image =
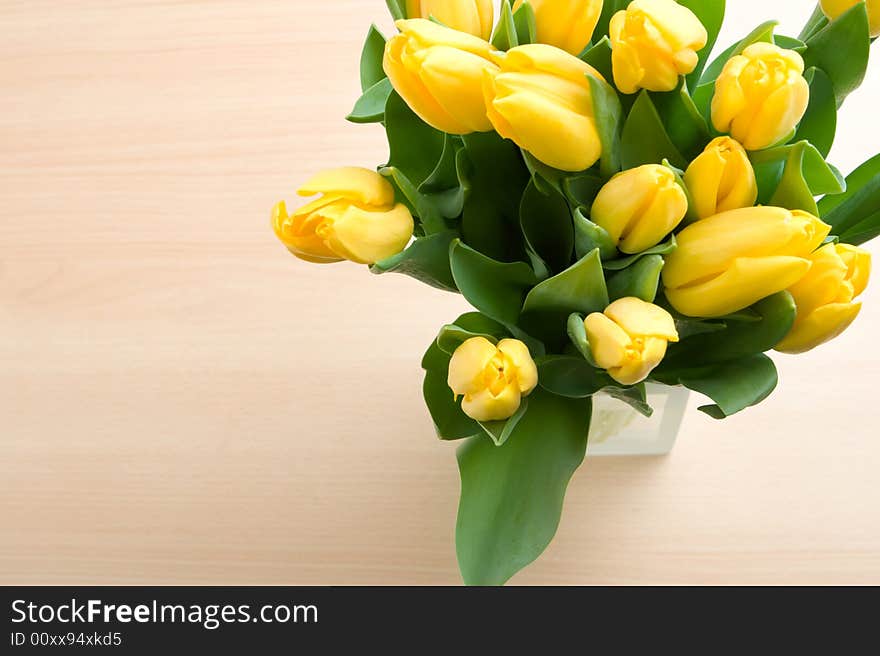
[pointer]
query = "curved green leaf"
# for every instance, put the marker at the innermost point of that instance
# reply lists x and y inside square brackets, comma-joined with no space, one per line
[372,55]
[397,8]
[858,203]
[426,259]
[580,288]
[526,27]
[841,50]
[791,176]
[645,140]
[589,237]
[547,227]
[734,386]
[641,280]
[737,341]
[819,124]
[599,57]
[428,218]
[570,376]
[495,288]
[512,495]
[450,422]
[764,32]
[608,114]
[505,36]
[500,431]
[415,146]
[577,333]
[665,248]
[609,8]
[685,125]
[370,107]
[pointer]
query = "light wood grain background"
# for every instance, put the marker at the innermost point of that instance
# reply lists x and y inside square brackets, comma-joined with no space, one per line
[182,402]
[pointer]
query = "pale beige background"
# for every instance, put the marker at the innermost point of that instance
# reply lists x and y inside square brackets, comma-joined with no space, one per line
[183,402]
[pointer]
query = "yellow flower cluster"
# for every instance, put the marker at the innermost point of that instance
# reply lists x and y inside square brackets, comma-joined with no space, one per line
[730,254]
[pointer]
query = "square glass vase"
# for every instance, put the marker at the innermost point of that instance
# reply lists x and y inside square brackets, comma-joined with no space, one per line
[618,430]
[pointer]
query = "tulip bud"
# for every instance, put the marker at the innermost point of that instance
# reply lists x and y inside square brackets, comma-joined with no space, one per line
[356,219]
[721,179]
[761,95]
[653,43]
[639,207]
[471,16]
[825,296]
[439,73]
[566,24]
[541,100]
[727,262]
[835,8]
[630,338]
[492,379]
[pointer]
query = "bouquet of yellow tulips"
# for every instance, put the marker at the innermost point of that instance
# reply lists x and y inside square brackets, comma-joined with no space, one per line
[615,205]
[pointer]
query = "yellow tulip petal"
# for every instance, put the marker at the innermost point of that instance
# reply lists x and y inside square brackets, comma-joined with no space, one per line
[306,245]
[608,341]
[460,76]
[747,281]
[639,366]
[486,406]
[821,326]
[367,237]
[638,317]
[835,8]
[822,284]
[858,263]
[526,370]
[662,216]
[566,24]
[468,363]
[357,184]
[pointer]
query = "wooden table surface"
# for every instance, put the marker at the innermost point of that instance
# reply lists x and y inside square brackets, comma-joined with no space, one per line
[182,402]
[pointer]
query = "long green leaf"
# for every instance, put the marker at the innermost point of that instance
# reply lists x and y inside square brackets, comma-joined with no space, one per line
[426,259]
[547,227]
[371,59]
[711,15]
[734,386]
[512,495]
[645,139]
[841,50]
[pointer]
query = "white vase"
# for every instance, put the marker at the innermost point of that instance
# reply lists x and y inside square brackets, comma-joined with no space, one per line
[618,430]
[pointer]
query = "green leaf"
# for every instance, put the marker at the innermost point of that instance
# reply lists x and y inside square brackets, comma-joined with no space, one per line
[490,222]
[500,431]
[589,237]
[526,27]
[452,335]
[581,190]
[547,227]
[580,288]
[505,36]
[512,495]
[397,8]
[841,50]
[790,43]
[372,55]
[495,288]
[734,386]
[763,32]
[863,231]
[599,57]
[450,421]
[415,146]
[426,259]
[860,201]
[546,178]
[665,248]
[645,140]
[819,124]
[641,280]
[449,183]
[711,15]
[740,339]
[635,397]
[608,115]
[791,176]
[420,205]
[571,376]
[577,333]
[686,127]
[370,107]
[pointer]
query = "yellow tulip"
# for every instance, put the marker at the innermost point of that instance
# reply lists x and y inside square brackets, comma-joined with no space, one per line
[761,95]
[653,43]
[639,207]
[439,72]
[566,24]
[356,219]
[721,179]
[825,297]
[835,8]
[541,100]
[471,16]
[727,262]
[630,338]
[492,379]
